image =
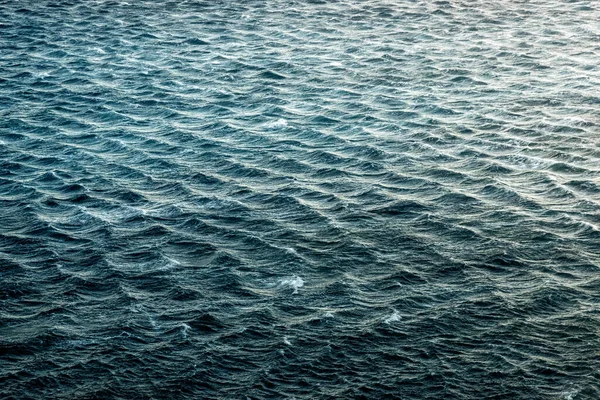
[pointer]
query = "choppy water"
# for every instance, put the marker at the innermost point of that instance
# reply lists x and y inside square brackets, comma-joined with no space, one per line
[309,199]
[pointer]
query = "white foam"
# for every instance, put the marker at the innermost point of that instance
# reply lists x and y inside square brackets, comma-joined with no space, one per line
[280,123]
[286,341]
[185,328]
[136,308]
[294,282]
[42,74]
[291,250]
[393,318]
[328,315]
[570,394]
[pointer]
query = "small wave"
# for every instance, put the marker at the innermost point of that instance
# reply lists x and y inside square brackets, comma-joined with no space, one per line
[196,42]
[271,75]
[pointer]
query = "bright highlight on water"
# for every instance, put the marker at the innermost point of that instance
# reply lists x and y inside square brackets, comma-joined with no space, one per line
[300,199]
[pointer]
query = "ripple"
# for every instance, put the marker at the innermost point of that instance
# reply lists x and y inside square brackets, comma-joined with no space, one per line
[307,200]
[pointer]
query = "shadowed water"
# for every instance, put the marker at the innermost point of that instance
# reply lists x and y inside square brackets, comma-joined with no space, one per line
[300,199]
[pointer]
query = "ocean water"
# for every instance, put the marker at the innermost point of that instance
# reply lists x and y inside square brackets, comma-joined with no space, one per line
[300,199]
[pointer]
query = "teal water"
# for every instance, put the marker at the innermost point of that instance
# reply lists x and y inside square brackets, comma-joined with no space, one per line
[300,199]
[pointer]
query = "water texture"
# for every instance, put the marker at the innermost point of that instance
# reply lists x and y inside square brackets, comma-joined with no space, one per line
[300,199]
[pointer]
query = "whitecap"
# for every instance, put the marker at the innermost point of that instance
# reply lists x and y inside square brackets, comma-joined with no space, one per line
[569,395]
[184,329]
[136,308]
[393,318]
[153,322]
[294,282]
[286,341]
[280,123]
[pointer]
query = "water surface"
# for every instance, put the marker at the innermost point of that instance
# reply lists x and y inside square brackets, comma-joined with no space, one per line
[300,199]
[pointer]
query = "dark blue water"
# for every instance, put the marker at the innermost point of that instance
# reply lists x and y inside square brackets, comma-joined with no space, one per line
[300,199]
